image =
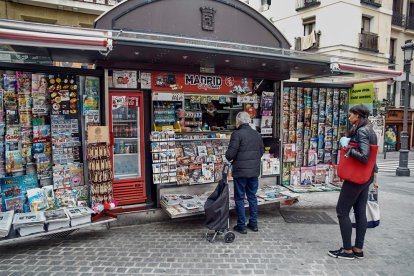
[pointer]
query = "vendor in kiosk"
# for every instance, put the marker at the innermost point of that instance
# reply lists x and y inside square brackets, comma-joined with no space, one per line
[211,118]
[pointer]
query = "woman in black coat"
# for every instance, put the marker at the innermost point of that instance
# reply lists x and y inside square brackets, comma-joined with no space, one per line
[355,195]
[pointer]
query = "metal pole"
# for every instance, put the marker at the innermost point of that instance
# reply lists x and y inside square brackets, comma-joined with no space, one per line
[403,169]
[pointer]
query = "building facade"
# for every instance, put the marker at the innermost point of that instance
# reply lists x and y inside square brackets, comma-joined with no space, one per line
[75,13]
[369,32]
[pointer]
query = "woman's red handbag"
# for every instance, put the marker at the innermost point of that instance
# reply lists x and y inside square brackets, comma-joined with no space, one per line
[355,171]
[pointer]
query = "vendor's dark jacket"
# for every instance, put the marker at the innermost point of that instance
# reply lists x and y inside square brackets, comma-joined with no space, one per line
[363,137]
[245,152]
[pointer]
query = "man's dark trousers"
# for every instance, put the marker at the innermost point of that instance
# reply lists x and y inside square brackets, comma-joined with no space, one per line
[246,186]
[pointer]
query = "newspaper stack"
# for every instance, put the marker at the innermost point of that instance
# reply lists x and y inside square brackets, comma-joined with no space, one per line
[79,215]
[56,219]
[29,223]
[6,219]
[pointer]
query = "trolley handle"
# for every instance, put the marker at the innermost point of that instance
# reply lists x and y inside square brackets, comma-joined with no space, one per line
[226,170]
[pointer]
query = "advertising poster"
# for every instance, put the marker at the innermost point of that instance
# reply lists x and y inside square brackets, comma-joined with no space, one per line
[362,93]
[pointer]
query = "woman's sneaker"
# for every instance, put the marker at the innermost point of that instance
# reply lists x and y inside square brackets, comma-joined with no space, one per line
[341,254]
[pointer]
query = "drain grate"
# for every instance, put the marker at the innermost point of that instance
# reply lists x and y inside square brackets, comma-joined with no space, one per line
[307,217]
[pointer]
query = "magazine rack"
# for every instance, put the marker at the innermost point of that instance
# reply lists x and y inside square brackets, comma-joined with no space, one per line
[59,233]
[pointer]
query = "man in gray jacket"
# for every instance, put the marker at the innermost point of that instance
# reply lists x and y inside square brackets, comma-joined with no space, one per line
[245,152]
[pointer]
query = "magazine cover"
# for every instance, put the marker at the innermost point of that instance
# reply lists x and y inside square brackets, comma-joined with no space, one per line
[195,174]
[49,194]
[65,198]
[92,86]
[25,103]
[307,176]
[266,125]
[202,150]
[289,153]
[14,191]
[322,174]
[24,82]
[286,173]
[295,176]
[41,133]
[312,157]
[207,173]
[267,101]
[183,176]
[76,175]
[40,94]
[14,161]
[37,199]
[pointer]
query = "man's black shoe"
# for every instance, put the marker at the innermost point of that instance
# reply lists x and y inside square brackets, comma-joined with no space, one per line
[254,228]
[240,229]
[341,254]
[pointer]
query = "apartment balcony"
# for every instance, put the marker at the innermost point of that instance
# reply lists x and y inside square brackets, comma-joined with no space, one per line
[409,22]
[374,3]
[306,4]
[309,42]
[398,20]
[368,42]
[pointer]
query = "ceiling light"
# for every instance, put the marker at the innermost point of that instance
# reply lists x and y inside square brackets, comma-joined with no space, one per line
[185,57]
[227,61]
[264,64]
[136,53]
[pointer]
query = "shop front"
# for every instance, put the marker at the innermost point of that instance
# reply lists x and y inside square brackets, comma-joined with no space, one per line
[191,77]
[393,127]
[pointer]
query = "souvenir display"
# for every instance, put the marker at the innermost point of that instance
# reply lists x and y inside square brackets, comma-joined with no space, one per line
[100,173]
[313,120]
[40,141]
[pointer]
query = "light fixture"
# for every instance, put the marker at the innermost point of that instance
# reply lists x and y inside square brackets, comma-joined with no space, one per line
[408,50]
[226,60]
[185,57]
[136,53]
[264,64]
[403,169]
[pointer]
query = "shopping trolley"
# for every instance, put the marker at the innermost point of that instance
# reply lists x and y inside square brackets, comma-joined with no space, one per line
[217,211]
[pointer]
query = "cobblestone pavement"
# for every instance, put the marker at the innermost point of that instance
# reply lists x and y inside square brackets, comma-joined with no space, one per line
[178,247]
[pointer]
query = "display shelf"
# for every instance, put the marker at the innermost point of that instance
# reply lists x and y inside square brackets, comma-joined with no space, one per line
[126,138]
[13,237]
[118,176]
[119,154]
[173,211]
[124,121]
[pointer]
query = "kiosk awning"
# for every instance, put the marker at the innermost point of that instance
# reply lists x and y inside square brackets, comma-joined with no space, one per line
[57,42]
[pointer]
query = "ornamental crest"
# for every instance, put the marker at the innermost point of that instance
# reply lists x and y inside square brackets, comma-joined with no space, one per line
[207,18]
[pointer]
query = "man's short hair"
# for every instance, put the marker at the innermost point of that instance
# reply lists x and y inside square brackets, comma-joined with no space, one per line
[243,118]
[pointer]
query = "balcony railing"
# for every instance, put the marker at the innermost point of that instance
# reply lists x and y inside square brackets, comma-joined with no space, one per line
[298,43]
[374,3]
[409,22]
[305,4]
[368,41]
[398,19]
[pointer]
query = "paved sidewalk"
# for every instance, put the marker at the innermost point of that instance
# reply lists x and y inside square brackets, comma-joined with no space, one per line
[178,247]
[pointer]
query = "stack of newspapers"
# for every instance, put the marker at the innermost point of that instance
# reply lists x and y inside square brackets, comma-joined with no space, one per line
[79,215]
[57,219]
[29,223]
[6,220]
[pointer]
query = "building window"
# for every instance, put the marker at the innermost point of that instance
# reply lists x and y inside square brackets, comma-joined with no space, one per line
[366,24]
[308,25]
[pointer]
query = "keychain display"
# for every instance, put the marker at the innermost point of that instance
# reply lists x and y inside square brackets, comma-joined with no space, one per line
[100,173]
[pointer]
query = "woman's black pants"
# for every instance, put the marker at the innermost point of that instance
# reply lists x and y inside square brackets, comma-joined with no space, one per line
[356,196]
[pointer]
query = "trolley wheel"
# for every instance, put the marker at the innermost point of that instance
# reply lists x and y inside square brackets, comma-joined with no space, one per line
[229,237]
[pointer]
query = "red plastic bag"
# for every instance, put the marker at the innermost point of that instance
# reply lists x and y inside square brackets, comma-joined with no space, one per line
[353,170]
